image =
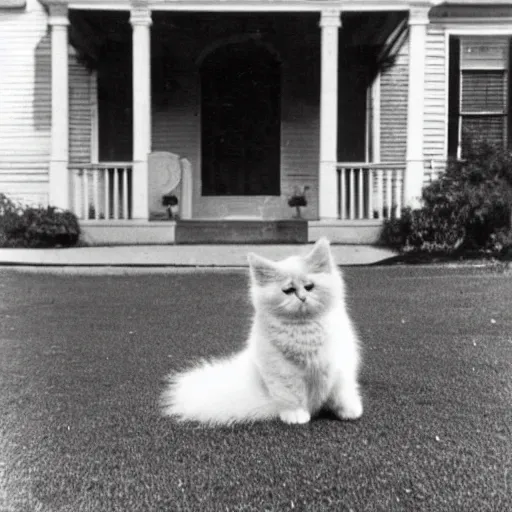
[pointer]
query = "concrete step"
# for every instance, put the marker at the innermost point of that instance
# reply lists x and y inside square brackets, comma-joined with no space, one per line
[241,231]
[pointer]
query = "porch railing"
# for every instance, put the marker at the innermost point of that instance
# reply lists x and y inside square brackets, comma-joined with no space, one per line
[370,190]
[102,191]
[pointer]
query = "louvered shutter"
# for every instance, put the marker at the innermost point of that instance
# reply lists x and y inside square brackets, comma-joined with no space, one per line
[484,89]
[453,96]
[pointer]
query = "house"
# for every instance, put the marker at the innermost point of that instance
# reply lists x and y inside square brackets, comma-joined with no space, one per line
[234,106]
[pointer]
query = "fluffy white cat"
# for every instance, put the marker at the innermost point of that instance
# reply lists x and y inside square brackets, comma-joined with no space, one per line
[302,354]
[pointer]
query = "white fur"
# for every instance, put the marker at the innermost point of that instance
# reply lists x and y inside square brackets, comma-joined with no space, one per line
[302,354]
[223,392]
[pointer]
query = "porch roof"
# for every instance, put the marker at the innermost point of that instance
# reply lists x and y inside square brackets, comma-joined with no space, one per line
[263,5]
[472,9]
[376,31]
[252,5]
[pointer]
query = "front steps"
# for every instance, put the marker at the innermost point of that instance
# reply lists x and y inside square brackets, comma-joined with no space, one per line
[241,231]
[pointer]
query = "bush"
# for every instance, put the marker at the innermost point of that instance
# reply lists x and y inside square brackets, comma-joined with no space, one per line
[36,226]
[9,212]
[468,209]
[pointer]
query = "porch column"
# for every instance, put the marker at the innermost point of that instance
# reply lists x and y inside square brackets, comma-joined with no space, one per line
[330,22]
[58,175]
[413,179]
[140,20]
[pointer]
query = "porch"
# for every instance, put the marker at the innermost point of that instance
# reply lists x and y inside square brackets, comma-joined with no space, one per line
[365,193]
[319,121]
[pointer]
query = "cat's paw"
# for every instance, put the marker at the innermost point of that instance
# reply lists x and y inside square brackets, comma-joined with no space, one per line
[295,416]
[350,410]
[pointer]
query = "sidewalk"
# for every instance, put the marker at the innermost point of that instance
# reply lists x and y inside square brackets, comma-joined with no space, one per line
[180,255]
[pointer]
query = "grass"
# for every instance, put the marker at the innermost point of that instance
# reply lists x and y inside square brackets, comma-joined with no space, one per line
[82,360]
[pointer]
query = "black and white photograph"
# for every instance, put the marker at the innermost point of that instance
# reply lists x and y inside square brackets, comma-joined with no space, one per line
[255,256]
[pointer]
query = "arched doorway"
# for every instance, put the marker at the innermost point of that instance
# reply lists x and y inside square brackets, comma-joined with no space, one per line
[240,121]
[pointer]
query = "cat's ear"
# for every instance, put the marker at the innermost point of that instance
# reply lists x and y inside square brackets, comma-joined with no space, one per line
[263,271]
[320,258]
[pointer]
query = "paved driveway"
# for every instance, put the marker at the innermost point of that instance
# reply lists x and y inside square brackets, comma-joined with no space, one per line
[81,365]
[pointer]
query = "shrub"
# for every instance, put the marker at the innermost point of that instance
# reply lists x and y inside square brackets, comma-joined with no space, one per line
[9,213]
[468,209]
[36,226]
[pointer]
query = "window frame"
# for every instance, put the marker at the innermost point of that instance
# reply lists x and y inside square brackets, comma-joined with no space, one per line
[460,30]
[503,112]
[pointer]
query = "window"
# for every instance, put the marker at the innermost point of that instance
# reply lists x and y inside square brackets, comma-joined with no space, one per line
[478,91]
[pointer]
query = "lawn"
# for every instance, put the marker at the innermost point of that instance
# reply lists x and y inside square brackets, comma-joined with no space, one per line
[83,357]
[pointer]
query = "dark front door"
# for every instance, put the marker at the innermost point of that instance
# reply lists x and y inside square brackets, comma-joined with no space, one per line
[115,101]
[240,119]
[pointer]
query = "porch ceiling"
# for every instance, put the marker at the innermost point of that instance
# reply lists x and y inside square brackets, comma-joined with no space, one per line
[91,32]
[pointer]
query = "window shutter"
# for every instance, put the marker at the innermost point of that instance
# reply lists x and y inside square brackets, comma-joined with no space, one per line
[483,91]
[509,96]
[483,105]
[493,127]
[453,96]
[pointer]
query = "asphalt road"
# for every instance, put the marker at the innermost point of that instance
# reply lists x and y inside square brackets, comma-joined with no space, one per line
[82,360]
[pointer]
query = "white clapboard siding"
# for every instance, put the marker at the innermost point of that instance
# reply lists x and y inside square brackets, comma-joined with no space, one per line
[25,103]
[435,120]
[299,153]
[176,129]
[300,125]
[79,112]
[175,118]
[393,110]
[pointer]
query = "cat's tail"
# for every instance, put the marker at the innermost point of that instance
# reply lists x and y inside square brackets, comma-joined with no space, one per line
[220,392]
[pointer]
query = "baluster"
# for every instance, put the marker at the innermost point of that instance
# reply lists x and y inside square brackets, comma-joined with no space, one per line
[96,192]
[360,201]
[370,193]
[125,193]
[352,195]
[85,191]
[389,184]
[380,194]
[116,193]
[77,198]
[398,193]
[343,201]
[107,193]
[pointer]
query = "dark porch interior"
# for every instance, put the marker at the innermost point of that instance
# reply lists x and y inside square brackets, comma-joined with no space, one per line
[180,41]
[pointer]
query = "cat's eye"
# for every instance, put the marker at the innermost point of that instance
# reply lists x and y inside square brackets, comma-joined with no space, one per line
[289,290]
[309,287]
